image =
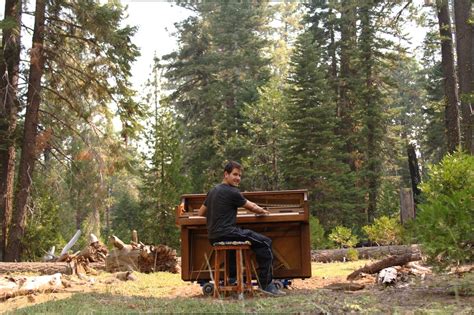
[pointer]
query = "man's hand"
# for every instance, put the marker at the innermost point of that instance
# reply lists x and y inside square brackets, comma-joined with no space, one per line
[255,208]
[202,211]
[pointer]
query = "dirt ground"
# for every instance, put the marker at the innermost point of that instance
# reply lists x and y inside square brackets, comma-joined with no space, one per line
[410,296]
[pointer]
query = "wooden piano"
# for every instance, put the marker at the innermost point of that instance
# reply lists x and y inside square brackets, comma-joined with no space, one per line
[287,226]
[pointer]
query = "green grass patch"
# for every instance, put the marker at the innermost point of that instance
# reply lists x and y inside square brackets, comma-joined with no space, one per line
[336,269]
[157,284]
[110,303]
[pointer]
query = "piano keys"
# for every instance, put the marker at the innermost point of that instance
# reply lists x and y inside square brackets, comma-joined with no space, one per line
[287,225]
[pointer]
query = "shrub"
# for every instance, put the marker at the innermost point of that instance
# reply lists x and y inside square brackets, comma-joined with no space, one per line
[445,221]
[384,231]
[343,237]
[455,172]
[318,240]
[352,254]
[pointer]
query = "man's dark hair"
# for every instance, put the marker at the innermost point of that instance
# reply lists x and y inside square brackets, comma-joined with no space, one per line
[230,165]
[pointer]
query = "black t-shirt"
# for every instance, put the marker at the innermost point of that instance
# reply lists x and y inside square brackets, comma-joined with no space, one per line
[222,203]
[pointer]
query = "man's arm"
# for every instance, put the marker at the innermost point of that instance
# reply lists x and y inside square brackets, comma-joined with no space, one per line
[249,205]
[202,211]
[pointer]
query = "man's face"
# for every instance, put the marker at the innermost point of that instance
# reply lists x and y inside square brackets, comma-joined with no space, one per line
[233,178]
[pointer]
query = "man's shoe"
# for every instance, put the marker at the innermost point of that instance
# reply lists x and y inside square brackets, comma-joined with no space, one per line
[271,289]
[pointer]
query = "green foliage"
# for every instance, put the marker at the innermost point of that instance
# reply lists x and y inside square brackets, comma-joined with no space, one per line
[318,239]
[265,128]
[454,173]
[384,231]
[446,228]
[352,254]
[445,221]
[126,217]
[42,230]
[343,237]
[388,198]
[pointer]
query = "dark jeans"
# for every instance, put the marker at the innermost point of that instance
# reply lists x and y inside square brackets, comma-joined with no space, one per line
[261,246]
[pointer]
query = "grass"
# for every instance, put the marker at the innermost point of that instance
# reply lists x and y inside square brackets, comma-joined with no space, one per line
[152,293]
[336,269]
[147,285]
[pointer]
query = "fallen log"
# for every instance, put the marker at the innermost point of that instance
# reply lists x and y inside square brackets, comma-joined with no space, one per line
[44,268]
[375,252]
[385,263]
[15,286]
[345,286]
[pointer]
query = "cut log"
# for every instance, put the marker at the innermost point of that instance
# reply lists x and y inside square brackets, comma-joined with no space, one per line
[385,263]
[95,252]
[345,286]
[375,252]
[134,236]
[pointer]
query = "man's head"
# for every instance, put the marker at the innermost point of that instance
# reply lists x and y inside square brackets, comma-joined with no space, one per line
[232,173]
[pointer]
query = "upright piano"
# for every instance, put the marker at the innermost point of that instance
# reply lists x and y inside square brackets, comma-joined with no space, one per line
[287,225]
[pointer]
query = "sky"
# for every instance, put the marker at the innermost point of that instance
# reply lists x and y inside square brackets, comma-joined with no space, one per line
[155,21]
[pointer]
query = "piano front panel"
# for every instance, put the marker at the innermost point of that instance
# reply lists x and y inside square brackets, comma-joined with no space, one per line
[291,253]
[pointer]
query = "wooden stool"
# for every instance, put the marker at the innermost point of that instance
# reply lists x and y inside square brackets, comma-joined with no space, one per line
[242,256]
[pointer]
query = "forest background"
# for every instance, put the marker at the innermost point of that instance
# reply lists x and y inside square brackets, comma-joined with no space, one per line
[327,96]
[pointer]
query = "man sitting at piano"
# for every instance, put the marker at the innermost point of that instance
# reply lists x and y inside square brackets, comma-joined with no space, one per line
[220,209]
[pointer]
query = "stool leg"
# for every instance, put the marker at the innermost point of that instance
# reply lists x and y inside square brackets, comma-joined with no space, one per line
[248,272]
[216,272]
[240,280]
[226,268]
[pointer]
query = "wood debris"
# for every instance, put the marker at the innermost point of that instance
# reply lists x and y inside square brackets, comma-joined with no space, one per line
[140,257]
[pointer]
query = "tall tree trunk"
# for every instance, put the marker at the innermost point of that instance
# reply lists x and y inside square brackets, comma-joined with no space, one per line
[465,52]
[9,72]
[28,149]
[332,52]
[345,104]
[447,62]
[371,112]
[415,177]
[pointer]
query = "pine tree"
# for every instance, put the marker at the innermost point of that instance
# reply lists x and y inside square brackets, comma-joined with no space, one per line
[451,112]
[163,177]
[81,49]
[265,124]
[433,141]
[464,16]
[9,107]
[311,144]
[217,69]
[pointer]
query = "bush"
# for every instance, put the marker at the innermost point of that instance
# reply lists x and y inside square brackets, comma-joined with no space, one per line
[455,172]
[42,231]
[352,254]
[445,221]
[343,237]
[318,240]
[384,231]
